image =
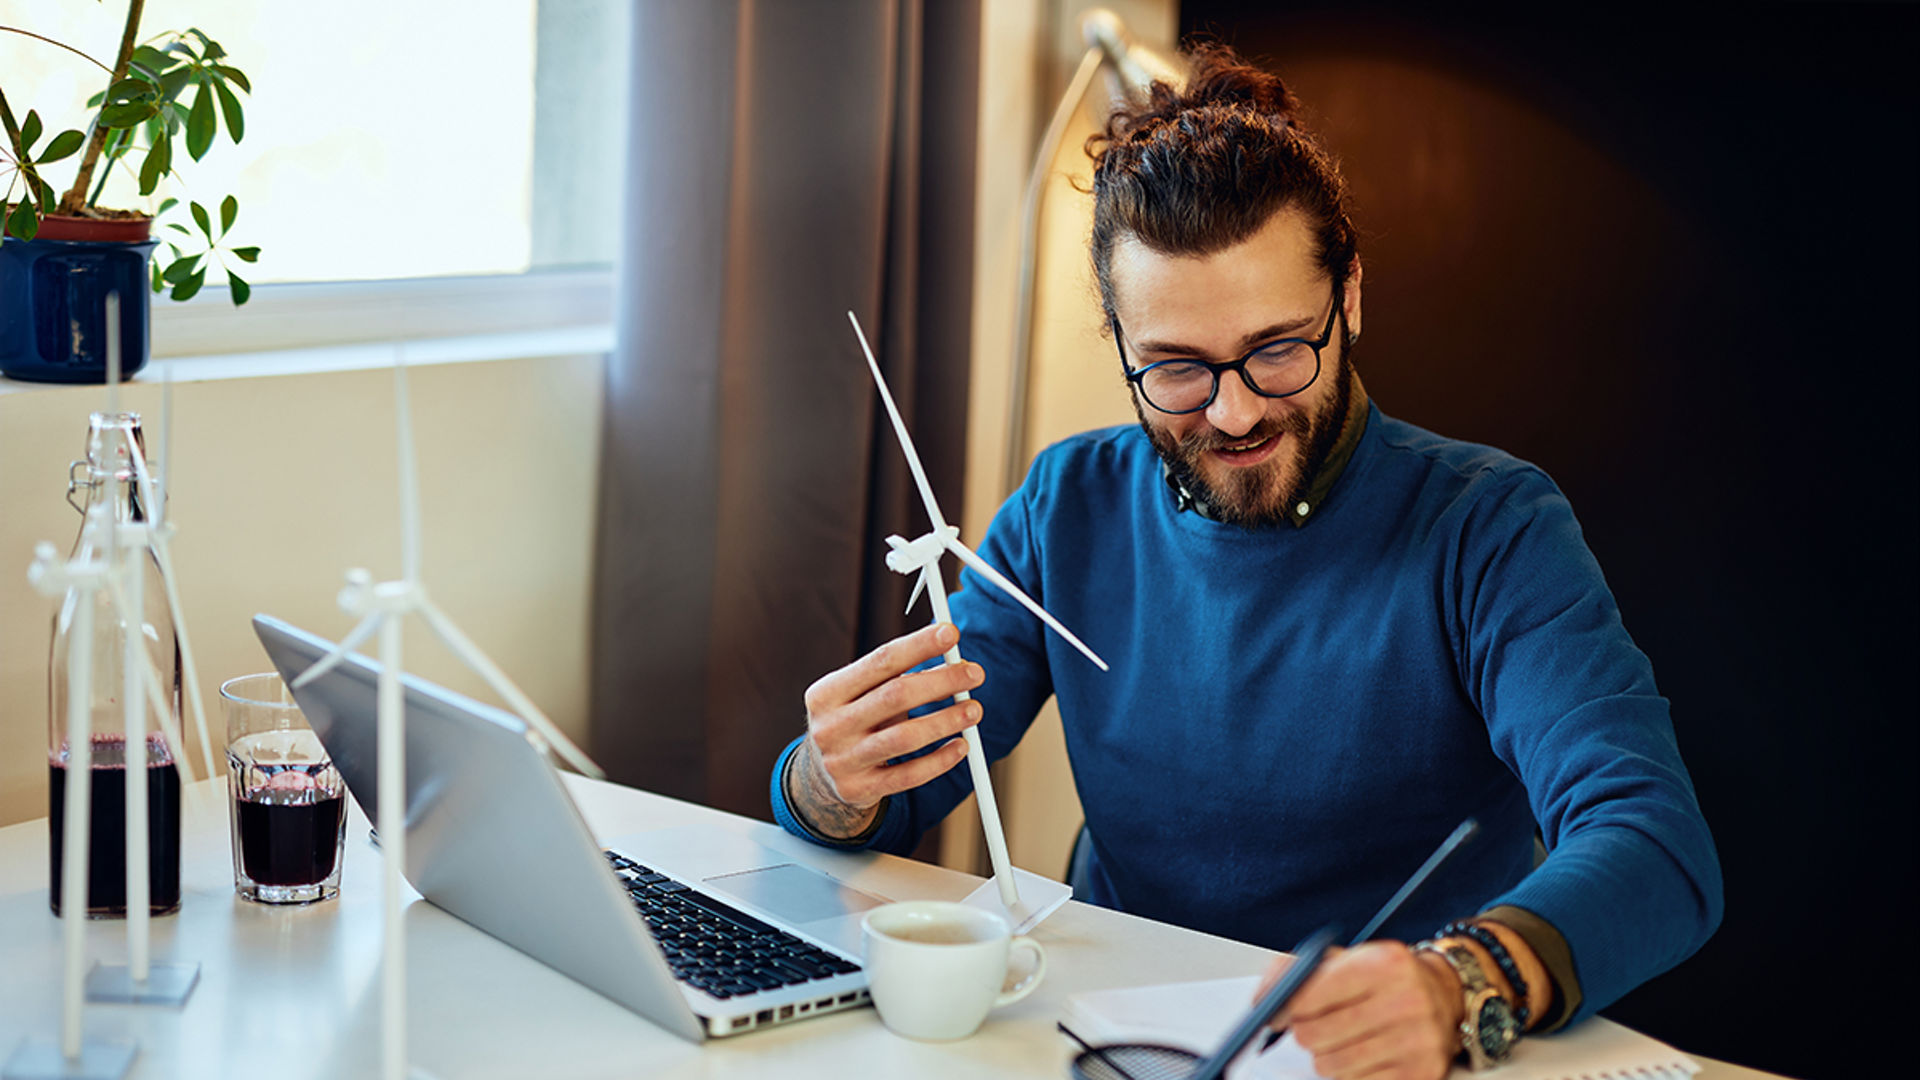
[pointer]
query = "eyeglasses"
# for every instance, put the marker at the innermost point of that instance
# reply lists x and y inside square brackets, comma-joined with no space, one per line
[1277,369]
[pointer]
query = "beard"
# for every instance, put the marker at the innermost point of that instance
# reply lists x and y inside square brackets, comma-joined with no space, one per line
[1262,495]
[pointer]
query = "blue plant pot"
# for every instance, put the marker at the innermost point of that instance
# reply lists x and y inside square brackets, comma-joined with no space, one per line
[53,308]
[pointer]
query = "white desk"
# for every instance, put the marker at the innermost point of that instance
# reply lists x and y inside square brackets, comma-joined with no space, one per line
[292,993]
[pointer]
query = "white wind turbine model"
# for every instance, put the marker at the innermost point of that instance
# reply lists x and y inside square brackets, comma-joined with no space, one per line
[141,981]
[121,575]
[382,607]
[922,557]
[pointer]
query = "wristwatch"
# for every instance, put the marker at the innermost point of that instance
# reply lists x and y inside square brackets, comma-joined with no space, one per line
[1487,1029]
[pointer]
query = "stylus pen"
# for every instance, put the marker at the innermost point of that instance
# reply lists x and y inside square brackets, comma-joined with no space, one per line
[1461,834]
[1306,958]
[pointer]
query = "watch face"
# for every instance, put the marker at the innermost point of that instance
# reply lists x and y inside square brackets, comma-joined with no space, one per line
[1497,1028]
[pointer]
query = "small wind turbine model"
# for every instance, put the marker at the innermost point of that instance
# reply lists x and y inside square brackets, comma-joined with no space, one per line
[381,607]
[74,1055]
[140,981]
[922,557]
[121,575]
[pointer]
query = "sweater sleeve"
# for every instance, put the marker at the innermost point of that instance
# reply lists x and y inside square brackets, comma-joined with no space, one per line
[1006,641]
[1631,879]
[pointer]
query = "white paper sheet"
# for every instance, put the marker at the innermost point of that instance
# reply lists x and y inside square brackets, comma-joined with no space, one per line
[1196,1016]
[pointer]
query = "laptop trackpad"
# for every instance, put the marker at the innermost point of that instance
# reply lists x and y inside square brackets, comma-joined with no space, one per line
[794,893]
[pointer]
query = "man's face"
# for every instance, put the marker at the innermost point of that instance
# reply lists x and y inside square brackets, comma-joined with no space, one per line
[1249,457]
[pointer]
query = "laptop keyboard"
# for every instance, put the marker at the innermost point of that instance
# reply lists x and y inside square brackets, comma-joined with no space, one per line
[716,947]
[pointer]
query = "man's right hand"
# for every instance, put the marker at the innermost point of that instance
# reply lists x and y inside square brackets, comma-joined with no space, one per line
[857,722]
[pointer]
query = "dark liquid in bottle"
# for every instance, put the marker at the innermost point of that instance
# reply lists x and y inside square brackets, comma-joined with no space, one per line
[107,847]
[289,844]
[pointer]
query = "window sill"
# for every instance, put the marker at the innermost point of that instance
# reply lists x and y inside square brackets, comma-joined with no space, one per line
[590,340]
[353,325]
[302,316]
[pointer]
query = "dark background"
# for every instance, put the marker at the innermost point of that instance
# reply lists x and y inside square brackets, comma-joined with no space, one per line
[1668,255]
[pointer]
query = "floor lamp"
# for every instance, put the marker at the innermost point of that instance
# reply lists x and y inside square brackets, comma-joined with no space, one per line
[1131,68]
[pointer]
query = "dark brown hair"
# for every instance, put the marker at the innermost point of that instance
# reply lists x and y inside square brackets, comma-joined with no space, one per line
[1197,170]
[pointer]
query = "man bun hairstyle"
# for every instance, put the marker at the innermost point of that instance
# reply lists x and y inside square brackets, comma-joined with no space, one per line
[1196,170]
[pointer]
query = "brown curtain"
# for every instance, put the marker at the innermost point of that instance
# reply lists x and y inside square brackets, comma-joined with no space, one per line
[788,160]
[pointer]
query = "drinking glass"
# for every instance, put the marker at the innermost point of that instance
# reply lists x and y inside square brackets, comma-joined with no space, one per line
[289,803]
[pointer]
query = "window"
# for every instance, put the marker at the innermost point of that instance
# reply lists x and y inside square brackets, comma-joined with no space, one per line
[427,139]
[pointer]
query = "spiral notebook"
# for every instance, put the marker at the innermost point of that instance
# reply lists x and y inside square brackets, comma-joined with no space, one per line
[1196,1016]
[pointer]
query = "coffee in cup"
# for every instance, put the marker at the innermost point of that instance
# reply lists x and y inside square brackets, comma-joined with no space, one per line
[936,968]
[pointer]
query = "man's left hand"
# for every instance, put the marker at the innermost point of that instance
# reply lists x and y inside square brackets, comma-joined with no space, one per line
[1377,1011]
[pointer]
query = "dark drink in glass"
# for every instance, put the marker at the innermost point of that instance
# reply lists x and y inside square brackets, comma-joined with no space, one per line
[289,818]
[287,842]
[107,828]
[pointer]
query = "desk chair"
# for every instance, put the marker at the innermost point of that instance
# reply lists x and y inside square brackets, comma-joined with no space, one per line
[1080,864]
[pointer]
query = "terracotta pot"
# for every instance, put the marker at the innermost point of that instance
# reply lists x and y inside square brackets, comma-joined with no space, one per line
[83,230]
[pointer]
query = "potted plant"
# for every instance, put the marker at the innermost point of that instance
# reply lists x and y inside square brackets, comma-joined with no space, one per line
[61,255]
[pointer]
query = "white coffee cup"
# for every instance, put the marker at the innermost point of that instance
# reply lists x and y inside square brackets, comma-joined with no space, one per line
[936,968]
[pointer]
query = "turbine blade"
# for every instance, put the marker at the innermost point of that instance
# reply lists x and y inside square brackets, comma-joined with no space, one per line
[170,731]
[409,471]
[153,494]
[164,482]
[471,654]
[900,428]
[155,694]
[967,556]
[328,662]
[112,304]
[919,585]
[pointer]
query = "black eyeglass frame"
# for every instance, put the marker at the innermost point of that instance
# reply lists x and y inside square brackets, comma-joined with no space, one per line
[1217,368]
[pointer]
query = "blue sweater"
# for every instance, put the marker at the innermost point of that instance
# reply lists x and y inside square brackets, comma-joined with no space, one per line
[1297,716]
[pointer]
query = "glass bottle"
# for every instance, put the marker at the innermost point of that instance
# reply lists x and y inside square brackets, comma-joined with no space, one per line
[106,478]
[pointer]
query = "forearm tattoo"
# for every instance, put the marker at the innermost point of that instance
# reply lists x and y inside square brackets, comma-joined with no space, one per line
[811,794]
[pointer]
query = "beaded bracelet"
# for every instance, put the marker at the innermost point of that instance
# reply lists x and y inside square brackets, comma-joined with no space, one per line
[1489,941]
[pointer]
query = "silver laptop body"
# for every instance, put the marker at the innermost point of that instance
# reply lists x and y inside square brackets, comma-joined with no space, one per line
[494,839]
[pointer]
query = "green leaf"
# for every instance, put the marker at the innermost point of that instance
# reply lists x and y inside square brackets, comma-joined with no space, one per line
[230,108]
[166,204]
[248,254]
[131,90]
[229,209]
[29,130]
[175,81]
[179,228]
[200,216]
[23,222]
[126,116]
[63,145]
[153,271]
[158,162]
[200,123]
[178,272]
[186,289]
[152,59]
[233,75]
[46,195]
[241,292]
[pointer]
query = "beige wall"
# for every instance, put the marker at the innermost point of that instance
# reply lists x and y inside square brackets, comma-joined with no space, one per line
[1074,385]
[285,482]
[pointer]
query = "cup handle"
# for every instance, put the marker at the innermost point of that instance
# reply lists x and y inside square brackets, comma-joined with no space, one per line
[1028,945]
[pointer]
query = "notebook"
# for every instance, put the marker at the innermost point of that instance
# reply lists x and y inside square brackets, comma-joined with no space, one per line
[1196,1016]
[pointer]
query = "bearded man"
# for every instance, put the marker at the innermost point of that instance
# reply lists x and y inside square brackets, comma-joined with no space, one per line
[1333,636]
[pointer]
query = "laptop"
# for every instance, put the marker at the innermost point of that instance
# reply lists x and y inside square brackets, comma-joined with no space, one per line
[704,933]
